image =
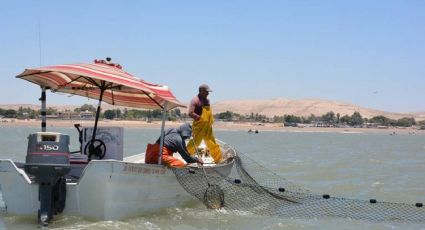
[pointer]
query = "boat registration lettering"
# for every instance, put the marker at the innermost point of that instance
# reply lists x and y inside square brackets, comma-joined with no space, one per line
[142,170]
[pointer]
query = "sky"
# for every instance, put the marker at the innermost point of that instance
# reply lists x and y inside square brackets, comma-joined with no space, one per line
[367,53]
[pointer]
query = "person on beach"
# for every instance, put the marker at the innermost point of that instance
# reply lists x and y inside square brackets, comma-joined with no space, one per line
[174,141]
[200,111]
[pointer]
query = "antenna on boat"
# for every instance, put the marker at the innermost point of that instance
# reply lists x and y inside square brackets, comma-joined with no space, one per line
[39,42]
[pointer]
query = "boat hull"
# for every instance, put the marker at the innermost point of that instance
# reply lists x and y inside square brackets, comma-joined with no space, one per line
[107,190]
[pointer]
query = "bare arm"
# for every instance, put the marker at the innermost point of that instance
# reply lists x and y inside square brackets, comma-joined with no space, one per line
[191,111]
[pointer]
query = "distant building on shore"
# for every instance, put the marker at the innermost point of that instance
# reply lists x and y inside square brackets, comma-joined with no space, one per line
[69,115]
[86,115]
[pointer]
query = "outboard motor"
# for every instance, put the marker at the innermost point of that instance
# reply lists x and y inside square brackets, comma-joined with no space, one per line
[47,161]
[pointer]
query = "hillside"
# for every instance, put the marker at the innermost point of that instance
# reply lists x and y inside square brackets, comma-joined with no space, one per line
[304,107]
[271,107]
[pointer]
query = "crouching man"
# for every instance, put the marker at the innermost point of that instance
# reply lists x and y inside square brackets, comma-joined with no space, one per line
[174,141]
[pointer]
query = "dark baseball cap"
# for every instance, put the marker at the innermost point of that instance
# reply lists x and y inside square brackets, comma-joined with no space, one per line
[205,87]
[185,130]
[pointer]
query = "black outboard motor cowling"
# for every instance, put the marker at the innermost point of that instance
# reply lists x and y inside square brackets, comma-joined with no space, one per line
[47,161]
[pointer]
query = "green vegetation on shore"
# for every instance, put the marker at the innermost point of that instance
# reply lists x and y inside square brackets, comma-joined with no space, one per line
[330,119]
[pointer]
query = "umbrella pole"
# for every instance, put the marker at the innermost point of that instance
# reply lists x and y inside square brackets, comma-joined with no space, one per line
[161,141]
[43,109]
[97,114]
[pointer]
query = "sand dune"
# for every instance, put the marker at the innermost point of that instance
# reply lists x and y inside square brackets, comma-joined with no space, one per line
[305,107]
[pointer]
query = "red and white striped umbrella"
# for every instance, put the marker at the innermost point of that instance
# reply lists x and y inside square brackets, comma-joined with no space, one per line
[89,80]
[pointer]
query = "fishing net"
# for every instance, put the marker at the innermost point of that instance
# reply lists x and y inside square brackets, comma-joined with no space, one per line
[248,187]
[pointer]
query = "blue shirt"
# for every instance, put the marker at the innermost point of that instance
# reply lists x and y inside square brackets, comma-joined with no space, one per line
[176,143]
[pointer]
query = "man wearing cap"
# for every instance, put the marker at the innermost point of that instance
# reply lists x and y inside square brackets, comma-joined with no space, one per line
[200,111]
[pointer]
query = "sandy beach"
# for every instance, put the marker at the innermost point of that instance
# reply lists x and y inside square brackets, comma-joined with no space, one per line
[219,125]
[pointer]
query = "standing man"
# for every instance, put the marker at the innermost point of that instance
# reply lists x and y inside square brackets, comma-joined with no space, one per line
[200,111]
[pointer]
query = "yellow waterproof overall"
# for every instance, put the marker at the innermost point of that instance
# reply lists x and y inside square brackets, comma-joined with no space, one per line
[202,130]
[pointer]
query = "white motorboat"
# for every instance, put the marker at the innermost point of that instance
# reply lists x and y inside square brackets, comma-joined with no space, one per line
[107,189]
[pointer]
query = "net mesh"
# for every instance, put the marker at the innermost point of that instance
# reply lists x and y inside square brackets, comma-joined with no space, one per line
[246,186]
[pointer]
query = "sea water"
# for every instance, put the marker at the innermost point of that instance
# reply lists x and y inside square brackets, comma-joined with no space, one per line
[354,165]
